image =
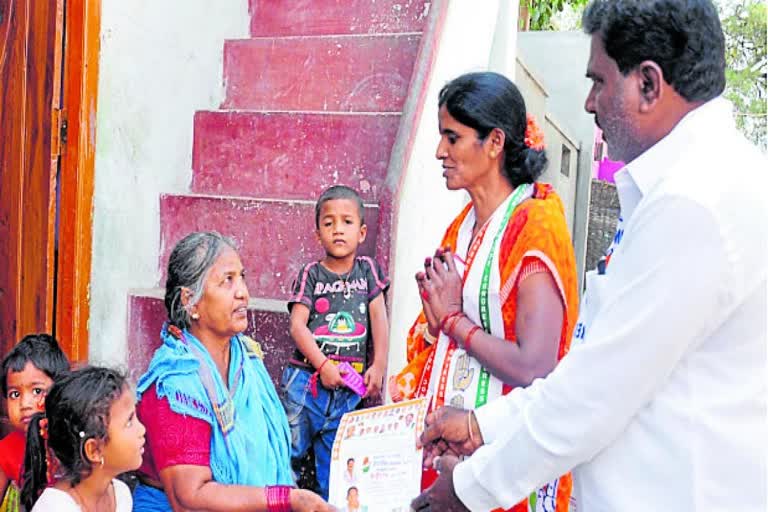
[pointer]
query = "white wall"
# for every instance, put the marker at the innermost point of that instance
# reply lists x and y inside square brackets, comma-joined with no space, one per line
[555,137]
[426,207]
[559,59]
[160,61]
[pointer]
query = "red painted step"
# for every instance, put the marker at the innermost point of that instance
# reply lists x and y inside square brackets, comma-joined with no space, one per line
[290,155]
[312,17]
[267,324]
[340,73]
[276,237]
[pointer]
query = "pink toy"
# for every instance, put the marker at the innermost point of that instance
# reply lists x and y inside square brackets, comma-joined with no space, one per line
[351,378]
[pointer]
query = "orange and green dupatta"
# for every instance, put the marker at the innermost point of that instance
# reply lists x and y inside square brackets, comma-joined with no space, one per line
[537,230]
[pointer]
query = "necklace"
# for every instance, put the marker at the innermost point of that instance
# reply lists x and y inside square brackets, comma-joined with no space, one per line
[344,278]
[345,281]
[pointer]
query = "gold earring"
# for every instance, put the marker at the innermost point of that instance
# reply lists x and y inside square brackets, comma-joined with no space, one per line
[195,316]
[493,154]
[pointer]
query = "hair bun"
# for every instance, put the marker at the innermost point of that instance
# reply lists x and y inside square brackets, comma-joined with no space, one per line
[534,161]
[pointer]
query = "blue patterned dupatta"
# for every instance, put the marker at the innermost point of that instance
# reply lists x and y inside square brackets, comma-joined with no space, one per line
[250,442]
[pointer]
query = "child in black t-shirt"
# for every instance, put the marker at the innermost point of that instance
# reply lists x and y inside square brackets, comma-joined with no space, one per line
[336,306]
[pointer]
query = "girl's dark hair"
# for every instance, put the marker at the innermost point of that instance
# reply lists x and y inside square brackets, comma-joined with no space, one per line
[488,100]
[77,409]
[188,266]
[42,350]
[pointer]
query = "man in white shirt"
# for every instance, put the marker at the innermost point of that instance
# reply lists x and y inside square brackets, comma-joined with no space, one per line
[661,403]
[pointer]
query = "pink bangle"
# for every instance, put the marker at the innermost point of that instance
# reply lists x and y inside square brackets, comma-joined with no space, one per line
[278,498]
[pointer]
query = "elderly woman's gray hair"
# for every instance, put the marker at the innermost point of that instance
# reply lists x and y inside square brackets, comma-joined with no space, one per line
[188,266]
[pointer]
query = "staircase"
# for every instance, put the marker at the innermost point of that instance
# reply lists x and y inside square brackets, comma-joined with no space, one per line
[313,98]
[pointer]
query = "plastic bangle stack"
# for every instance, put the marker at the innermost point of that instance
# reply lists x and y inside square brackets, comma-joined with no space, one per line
[278,498]
[448,317]
[450,326]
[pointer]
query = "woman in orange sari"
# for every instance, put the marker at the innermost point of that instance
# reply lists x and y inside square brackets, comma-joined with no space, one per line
[499,297]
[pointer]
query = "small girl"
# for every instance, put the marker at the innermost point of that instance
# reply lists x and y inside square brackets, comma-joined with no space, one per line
[87,436]
[26,374]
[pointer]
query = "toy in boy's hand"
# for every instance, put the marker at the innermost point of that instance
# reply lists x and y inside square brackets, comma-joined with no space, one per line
[351,378]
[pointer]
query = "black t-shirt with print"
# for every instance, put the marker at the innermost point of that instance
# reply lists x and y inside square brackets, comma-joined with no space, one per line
[338,308]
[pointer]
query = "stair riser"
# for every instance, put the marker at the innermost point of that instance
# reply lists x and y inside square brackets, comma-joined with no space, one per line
[276,237]
[347,74]
[310,17]
[290,156]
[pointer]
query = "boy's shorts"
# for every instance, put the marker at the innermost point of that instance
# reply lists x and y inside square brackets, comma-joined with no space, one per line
[314,421]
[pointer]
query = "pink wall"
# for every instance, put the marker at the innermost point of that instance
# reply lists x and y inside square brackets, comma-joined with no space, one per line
[603,168]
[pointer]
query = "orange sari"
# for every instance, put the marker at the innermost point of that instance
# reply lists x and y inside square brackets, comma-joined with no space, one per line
[536,230]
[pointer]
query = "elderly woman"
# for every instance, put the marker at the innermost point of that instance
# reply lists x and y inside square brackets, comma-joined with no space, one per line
[500,296]
[217,435]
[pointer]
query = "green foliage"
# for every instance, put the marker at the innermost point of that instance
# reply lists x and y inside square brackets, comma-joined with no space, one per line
[542,11]
[744,24]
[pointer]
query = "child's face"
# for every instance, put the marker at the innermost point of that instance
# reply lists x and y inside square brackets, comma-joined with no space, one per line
[125,446]
[26,394]
[340,230]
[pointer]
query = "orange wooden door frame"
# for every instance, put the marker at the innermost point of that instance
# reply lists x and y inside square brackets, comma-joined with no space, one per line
[30,86]
[76,177]
[48,90]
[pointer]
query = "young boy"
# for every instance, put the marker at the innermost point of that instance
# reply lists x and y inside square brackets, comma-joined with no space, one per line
[28,372]
[336,306]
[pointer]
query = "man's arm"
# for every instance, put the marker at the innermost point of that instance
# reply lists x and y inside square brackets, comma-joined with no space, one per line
[665,296]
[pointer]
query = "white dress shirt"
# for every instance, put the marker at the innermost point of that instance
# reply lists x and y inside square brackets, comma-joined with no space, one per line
[661,403]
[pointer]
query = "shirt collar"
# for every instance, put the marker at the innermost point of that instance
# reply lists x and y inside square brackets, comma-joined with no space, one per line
[706,121]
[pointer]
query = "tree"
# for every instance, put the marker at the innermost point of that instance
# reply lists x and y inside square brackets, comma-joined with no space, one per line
[537,14]
[744,24]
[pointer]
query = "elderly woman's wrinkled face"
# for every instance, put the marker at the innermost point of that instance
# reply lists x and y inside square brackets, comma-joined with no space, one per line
[223,308]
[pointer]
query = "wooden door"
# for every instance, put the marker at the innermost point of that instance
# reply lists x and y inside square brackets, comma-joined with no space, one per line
[31,44]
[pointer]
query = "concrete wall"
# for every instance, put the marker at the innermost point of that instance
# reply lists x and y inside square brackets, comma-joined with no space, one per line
[556,136]
[158,64]
[559,60]
[425,206]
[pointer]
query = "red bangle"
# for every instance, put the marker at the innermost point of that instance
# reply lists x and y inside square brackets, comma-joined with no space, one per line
[319,368]
[278,498]
[448,317]
[468,339]
[453,321]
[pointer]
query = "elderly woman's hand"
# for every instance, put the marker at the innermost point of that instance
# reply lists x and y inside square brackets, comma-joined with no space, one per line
[307,501]
[441,284]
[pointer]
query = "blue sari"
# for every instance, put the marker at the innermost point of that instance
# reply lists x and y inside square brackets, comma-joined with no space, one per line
[250,439]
